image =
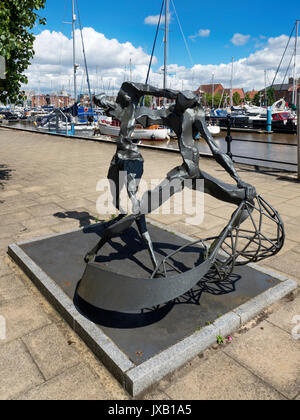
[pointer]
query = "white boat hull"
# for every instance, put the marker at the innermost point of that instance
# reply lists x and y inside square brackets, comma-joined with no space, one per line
[64,126]
[139,134]
[214,130]
[148,134]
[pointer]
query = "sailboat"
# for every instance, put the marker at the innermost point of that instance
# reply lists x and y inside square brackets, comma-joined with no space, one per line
[111,128]
[74,118]
[155,133]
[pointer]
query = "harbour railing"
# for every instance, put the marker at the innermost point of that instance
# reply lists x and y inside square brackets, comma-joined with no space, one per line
[229,140]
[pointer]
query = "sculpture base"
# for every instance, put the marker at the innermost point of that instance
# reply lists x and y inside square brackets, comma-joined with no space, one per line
[56,266]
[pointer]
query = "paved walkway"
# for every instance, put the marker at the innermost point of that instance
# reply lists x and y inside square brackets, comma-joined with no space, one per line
[43,359]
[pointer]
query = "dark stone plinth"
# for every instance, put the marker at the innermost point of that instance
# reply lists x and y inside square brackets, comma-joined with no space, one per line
[142,335]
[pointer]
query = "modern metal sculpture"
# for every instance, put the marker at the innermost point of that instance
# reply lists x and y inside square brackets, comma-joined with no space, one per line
[242,241]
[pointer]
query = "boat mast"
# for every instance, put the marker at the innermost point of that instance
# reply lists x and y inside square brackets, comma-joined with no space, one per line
[84,58]
[231,84]
[166,42]
[130,65]
[295,82]
[266,88]
[74,50]
[213,89]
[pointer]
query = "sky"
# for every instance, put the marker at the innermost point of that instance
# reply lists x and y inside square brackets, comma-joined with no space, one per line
[201,45]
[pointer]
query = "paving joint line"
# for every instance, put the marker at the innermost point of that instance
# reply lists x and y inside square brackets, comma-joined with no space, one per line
[32,359]
[248,368]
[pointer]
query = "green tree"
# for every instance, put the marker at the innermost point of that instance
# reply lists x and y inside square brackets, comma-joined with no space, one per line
[257,99]
[148,101]
[236,98]
[207,99]
[271,96]
[248,98]
[17,19]
[217,100]
[204,99]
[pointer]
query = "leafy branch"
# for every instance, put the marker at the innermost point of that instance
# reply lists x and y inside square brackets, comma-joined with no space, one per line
[17,20]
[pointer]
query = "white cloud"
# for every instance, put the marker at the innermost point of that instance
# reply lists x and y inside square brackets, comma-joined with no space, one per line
[202,33]
[240,39]
[248,71]
[153,20]
[56,48]
[107,59]
[53,61]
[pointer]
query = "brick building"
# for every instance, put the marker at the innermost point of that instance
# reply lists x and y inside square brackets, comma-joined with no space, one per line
[285,90]
[251,94]
[240,91]
[58,100]
[217,88]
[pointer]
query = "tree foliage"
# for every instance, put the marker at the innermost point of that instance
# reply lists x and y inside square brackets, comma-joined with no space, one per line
[248,98]
[148,101]
[236,98]
[271,96]
[17,20]
[257,99]
[208,99]
[217,100]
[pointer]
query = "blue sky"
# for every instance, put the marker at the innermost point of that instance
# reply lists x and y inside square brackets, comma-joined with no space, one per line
[124,20]
[254,33]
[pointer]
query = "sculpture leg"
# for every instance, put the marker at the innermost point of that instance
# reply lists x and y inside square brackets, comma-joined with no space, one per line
[94,251]
[142,227]
[116,186]
[225,192]
[134,171]
[117,226]
[228,193]
[116,181]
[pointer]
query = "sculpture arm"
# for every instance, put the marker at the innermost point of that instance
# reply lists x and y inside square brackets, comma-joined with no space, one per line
[127,119]
[102,101]
[223,159]
[137,90]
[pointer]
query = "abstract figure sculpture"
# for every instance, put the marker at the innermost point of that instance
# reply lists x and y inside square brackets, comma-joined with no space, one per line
[240,242]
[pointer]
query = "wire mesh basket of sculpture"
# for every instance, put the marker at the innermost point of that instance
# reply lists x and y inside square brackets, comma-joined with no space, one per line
[258,237]
[254,232]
